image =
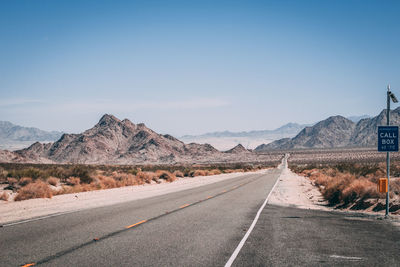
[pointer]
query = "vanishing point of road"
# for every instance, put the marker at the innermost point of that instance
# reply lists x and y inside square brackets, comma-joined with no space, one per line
[203,226]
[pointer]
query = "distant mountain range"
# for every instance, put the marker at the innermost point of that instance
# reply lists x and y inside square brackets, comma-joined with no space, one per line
[251,139]
[290,128]
[16,137]
[112,141]
[336,131]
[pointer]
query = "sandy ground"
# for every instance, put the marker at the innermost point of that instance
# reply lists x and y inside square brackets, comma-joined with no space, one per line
[296,191]
[27,209]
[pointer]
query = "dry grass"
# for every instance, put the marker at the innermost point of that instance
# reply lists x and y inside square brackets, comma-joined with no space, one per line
[178,174]
[165,175]
[359,189]
[37,189]
[343,188]
[214,172]
[146,177]
[53,181]
[12,181]
[107,182]
[73,181]
[395,187]
[4,196]
[24,181]
[125,179]
[235,170]
[68,189]
[198,173]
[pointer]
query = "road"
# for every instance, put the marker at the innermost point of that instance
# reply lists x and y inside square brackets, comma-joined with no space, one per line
[202,227]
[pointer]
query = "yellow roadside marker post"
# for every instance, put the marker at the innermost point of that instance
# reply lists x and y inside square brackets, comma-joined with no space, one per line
[383,185]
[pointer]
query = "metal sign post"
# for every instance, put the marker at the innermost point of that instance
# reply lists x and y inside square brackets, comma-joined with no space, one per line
[388,140]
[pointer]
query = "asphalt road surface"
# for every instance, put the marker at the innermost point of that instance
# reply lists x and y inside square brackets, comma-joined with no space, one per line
[202,227]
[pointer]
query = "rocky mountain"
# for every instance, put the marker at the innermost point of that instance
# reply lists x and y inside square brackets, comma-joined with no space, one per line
[251,139]
[14,136]
[358,118]
[112,141]
[336,131]
[239,149]
[276,145]
[365,133]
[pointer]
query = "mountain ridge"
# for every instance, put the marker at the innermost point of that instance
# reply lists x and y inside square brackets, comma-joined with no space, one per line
[335,132]
[16,136]
[113,140]
[282,129]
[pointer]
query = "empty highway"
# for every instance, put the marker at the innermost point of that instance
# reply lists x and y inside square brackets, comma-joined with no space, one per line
[202,227]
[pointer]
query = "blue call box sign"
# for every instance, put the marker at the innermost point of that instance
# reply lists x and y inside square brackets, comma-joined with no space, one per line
[388,138]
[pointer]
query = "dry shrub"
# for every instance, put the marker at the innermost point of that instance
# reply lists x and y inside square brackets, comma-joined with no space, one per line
[12,181]
[233,170]
[334,186]
[107,182]
[24,181]
[125,179]
[178,174]
[321,179]
[165,175]
[359,188]
[3,175]
[214,172]
[37,189]
[67,189]
[395,186]
[330,172]
[342,188]
[146,177]
[4,196]
[197,173]
[73,181]
[83,172]
[53,181]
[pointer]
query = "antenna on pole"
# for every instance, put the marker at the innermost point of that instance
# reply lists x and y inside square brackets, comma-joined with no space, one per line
[390,96]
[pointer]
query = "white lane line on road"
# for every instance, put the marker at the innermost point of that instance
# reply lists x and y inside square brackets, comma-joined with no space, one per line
[346,257]
[239,247]
[38,218]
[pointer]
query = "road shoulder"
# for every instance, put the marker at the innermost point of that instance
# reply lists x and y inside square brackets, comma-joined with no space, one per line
[286,236]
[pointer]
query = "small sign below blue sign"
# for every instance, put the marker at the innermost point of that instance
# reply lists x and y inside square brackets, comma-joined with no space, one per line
[388,138]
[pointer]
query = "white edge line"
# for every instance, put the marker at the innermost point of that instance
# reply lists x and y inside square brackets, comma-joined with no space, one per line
[38,218]
[239,247]
[345,257]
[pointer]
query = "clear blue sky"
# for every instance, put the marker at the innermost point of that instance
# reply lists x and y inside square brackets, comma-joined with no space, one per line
[187,67]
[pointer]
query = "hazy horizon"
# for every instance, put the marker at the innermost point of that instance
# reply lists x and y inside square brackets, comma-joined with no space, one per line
[199,134]
[188,68]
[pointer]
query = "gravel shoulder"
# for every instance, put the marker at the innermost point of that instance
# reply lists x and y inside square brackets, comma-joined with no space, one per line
[297,191]
[294,190]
